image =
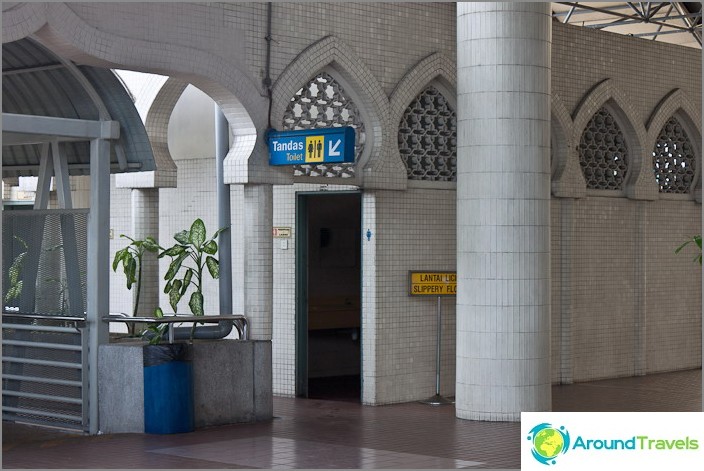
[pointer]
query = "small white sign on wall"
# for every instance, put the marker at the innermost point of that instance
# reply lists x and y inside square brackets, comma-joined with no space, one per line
[281,232]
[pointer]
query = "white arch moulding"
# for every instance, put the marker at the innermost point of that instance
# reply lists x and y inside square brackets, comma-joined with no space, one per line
[639,183]
[567,178]
[678,104]
[436,70]
[333,56]
[157,126]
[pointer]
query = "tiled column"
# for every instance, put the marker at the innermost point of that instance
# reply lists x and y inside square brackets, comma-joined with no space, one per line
[370,358]
[258,260]
[145,223]
[503,210]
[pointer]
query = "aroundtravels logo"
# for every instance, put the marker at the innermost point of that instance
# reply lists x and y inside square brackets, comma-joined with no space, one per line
[611,440]
[548,442]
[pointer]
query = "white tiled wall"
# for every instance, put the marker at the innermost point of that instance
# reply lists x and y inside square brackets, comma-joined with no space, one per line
[615,314]
[646,71]
[178,208]
[593,248]
[672,290]
[415,231]
[622,302]
[120,223]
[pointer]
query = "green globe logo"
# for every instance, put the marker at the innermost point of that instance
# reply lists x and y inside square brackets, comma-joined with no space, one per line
[548,442]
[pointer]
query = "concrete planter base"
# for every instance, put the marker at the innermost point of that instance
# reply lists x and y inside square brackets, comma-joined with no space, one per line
[232,384]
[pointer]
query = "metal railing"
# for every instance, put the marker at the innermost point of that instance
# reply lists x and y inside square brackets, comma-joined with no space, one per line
[45,364]
[239,321]
[44,370]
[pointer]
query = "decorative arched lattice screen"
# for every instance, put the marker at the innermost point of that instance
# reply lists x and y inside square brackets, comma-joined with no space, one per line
[674,162]
[603,153]
[427,138]
[323,103]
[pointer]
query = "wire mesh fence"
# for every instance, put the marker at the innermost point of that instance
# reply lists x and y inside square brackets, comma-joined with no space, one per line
[44,343]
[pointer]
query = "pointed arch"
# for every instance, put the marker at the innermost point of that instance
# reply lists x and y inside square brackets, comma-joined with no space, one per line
[333,56]
[435,67]
[638,183]
[434,70]
[157,126]
[228,84]
[567,178]
[677,104]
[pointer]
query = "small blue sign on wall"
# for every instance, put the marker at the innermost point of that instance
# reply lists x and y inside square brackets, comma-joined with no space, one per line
[312,146]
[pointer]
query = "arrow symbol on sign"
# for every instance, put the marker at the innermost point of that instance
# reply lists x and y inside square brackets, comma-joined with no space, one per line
[332,149]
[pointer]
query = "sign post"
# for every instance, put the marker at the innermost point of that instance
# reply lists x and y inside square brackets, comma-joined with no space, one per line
[312,146]
[437,284]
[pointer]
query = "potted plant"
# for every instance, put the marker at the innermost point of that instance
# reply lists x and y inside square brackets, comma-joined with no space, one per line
[192,253]
[168,374]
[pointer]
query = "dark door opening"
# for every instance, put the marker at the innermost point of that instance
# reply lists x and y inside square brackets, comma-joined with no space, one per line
[328,279]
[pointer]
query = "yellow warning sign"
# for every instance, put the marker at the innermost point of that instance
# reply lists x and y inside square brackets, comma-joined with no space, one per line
[434,283]
[315,149]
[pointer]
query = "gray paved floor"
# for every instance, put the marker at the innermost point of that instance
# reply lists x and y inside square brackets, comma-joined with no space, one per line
[326,434]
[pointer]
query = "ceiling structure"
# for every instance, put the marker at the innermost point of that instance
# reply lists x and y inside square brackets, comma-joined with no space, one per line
[671,22]
[41,89]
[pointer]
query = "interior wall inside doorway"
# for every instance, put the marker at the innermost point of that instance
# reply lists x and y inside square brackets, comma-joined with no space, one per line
[334,285]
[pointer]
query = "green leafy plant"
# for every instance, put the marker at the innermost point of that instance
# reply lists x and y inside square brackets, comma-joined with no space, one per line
[61,281]
[697,240]
[155,332]
[15,289]
[131,259]
[193,253]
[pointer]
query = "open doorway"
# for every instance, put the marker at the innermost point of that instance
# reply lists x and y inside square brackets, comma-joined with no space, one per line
[328,284]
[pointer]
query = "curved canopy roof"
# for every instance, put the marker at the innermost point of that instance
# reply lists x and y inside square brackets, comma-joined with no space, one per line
[37,82]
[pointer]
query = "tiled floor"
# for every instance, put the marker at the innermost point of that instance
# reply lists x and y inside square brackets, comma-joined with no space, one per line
[285,453]
[327,434]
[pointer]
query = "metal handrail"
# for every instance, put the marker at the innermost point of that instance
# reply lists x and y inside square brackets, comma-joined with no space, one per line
[22,315]
[238,320]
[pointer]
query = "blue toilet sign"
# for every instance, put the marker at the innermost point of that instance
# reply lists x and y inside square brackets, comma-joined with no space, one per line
[312,146]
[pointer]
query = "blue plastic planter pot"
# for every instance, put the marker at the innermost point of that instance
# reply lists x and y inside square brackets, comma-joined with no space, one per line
[168,389]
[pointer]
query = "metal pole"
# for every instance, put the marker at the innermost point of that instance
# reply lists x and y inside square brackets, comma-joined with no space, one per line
[98,302]
[222,144]
[437,353]
[437,399]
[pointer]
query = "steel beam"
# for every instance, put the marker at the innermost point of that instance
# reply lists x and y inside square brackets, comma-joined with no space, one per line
[621,15]
[64,127]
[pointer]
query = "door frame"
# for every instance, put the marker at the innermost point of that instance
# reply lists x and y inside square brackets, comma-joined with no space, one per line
[301,274]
